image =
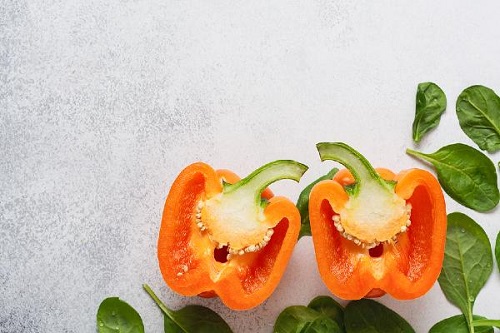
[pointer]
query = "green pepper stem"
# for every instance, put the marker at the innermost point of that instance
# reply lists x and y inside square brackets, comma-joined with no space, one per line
[358,165]
[257,181]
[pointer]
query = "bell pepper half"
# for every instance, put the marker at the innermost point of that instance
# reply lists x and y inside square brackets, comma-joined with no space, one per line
[222,236]
[375,232]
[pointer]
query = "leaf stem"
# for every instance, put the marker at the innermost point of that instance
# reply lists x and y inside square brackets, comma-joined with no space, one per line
[470,318]
[158,302]
[486,322]
[415,153]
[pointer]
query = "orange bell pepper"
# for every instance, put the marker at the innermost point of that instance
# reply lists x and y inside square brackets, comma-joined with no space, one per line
[375,232]
[228,237]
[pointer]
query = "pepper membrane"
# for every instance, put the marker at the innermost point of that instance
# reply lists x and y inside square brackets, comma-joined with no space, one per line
[375,232]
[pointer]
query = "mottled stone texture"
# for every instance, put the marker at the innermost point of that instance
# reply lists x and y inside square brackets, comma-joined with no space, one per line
[102,103]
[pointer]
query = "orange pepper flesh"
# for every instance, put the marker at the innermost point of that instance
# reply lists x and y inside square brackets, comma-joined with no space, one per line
[405,269]
[192,265]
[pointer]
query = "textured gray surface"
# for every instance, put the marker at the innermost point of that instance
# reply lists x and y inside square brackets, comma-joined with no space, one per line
[103,103]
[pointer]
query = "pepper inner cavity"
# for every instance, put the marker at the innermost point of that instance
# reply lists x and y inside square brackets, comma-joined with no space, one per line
[234,228]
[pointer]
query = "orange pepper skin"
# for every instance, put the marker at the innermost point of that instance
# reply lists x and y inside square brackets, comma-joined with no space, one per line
[189,261]
[405,269]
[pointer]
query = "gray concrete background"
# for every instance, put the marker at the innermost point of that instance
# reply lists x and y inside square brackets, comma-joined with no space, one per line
[102,103]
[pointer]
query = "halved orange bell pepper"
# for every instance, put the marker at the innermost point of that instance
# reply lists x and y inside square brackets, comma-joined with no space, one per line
[375,232]
[228,237]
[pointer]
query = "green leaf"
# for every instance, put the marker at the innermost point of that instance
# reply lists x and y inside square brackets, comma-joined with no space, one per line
[299,318]
[467,262]
[466,174]
[478,111]
[197,318]
[190,319]
[294,319]
[322,325]
[328,307]
[368,316]
[497,251]
[457,324]
[169,326]
[115,315]
[431,103]
[303,203]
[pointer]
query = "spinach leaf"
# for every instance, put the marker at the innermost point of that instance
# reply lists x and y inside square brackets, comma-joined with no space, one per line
[328,307]
[299,318]
[321,325]
[478,111]
[115,315]
[195,318]
[466,174]
[192,318]
[303,203]
[467,262]
[457,324]
[170,326]
[497,250]
[431,103]
[368,316]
